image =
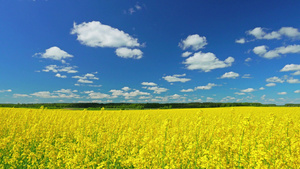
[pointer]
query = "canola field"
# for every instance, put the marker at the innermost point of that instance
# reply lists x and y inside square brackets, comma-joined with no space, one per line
[240,137]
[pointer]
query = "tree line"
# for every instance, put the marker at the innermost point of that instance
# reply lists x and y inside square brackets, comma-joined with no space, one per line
[124,106]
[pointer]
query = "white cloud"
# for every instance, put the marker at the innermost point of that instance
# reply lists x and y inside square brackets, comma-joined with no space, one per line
[55,69]
[206,62]
[248,90]
[133,9]
[290,67]
[175,96]
[176,78]
[8,90]
[186,90]
[134,93]
[297,91]
[157,90]
[60,76]
[96,34]
[272,35]
[195,41]
[290,32]
[241,41]
[263,97]
[21,95]
[274,79]
[246,76]
[271,84]
[238,93]
[207,87]
[227,99]
[149,84]
[84,81]
[229,75]
[129,53]
[127,95]
[186,54]
[260,50]
[86,78]
[282,93]
[63,93]
[277,52]
[98,95]
[296,73]
[261,88]
[126,88]
[248,60]
[44,94]
[94,85]
[116,92]
[54,53]
[292,80]
[257,32]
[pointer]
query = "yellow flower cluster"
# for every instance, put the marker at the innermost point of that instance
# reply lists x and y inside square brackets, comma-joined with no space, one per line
[241,137]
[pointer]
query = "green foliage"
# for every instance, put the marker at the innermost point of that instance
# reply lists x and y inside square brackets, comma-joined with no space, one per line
[131,106]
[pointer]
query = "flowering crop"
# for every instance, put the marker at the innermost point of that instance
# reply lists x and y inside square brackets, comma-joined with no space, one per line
[240,137]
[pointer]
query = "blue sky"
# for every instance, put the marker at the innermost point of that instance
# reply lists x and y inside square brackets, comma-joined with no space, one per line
[149,51]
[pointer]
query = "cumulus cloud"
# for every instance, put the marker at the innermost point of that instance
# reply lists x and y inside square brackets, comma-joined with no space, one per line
[96,34]
[157,90]
[126,88]
[206,62]
[55,69]
[261,88]
[290,67]
[176,78]
[296,73]
[288,32]
[186,54]
[195,42]
[241,41]
[292,80]
[248,90]
[87,78]
[227,99]
[271,84]
[274,79]
[282,93]
[63,93]
[260,50]
[97,95]
[186,90]
[129,53]
[54,53]
[230,75]
[60,76]
[128,95]
[149,84]
[297,91]
[277,52]
[257,32]
[207,87]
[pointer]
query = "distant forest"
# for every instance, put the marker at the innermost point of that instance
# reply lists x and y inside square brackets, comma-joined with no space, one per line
[123,106]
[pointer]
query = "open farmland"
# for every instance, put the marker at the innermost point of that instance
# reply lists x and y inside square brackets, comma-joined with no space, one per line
[238,137]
